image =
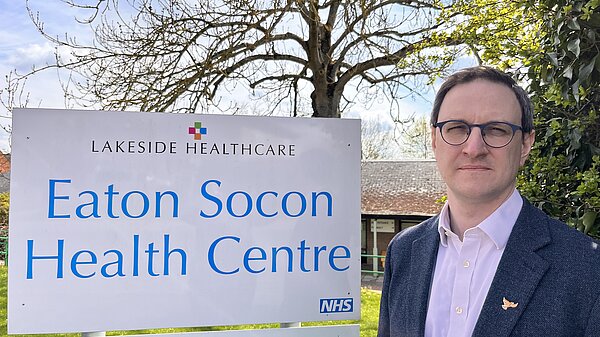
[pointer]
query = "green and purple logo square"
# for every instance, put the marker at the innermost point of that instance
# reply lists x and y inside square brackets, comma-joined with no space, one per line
[197,130]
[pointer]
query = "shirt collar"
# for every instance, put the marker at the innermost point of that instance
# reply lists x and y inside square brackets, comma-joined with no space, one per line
[444,225]
[497,226]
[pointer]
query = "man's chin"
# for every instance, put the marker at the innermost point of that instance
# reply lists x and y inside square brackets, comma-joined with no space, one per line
[475,193]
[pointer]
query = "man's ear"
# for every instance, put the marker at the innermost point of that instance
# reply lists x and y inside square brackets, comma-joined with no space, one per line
[528,139]
[433,138]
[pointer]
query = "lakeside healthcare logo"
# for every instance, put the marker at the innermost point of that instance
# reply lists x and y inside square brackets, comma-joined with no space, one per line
[166,146]
[197,130]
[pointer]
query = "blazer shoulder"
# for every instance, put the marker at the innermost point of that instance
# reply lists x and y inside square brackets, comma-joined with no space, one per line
[574,242]
[571,244]
[405,237]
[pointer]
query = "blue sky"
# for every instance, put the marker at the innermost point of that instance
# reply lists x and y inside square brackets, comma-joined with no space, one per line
[22,47]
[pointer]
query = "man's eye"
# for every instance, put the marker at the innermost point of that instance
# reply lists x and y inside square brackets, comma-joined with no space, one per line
[456,128]
[497,130]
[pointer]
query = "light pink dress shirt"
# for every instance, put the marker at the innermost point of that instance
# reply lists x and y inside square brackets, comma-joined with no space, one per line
[464,270]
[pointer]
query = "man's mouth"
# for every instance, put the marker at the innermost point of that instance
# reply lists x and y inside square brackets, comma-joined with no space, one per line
[474,168]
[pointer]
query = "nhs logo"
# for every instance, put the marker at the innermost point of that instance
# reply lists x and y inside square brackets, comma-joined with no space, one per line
[330,305]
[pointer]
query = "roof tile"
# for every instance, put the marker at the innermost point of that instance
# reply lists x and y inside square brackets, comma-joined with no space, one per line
[401,187]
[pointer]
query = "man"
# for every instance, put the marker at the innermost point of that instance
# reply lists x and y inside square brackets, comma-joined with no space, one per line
[490,264]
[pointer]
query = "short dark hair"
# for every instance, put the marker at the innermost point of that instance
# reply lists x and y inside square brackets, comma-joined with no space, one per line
[490,74]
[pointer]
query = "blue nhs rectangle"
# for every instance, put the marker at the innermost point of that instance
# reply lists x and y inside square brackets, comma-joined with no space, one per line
[330,305]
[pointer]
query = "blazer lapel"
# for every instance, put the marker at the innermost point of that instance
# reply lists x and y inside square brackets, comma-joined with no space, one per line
[518,274]
[422,264]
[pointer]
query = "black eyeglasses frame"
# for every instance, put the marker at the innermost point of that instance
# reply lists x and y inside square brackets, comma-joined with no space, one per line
[481,127]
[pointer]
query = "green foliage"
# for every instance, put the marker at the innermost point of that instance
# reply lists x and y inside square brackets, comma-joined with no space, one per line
[497,32]
[565,79]
[554,47]
[571,64]
[4,202]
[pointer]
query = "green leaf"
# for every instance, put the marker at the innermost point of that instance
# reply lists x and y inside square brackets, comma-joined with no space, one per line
[553,58]
[575,137]
[573,24]
[568,72]
[594,150]
[559,27]
[588,220]
[573,46]
[583,157]
[575,88]
[586,69]
[580,226]
[565,91]
[549,133]
[591,35]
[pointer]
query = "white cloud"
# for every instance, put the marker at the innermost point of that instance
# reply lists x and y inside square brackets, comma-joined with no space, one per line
[22,47]
[35,54]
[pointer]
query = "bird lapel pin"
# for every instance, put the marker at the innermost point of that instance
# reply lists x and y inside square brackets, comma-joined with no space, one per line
[506,304]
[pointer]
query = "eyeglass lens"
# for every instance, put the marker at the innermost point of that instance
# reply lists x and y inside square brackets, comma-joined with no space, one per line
[494,134]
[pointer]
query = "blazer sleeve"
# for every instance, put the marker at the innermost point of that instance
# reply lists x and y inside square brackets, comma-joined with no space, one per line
[384,315]
[593,325]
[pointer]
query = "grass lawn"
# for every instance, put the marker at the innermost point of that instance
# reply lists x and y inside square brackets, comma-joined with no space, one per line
[368,322]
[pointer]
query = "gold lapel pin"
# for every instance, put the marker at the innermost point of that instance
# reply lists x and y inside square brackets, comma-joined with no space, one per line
[508,304]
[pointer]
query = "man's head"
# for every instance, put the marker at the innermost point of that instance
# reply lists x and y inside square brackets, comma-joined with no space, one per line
[490,74]
[478,160]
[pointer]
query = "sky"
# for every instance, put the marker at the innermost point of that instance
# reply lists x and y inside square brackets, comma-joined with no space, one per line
[22,47]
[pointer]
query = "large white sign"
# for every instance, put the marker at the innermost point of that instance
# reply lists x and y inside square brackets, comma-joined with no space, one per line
[146,220]
[352,330]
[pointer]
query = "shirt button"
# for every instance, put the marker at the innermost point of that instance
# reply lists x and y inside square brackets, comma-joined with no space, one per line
[466,264]
[459,310]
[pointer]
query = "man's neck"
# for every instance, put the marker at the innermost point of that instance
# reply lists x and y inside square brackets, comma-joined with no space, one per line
[465,213]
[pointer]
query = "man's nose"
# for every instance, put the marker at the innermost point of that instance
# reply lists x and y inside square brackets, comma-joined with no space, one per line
[475,146]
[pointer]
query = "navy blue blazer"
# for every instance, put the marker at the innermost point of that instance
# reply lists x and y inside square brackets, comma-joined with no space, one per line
[551,270]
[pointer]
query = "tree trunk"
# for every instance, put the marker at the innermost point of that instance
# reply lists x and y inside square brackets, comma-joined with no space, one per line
[326,102]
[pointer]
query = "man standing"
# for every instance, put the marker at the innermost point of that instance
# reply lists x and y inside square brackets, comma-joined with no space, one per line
[490,264]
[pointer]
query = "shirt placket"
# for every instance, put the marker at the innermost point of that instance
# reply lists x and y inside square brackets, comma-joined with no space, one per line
[464,269]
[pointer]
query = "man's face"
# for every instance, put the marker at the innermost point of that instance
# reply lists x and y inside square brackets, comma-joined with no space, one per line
[473,171]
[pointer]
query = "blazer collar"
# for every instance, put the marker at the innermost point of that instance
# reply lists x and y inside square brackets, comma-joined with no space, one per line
[518,274]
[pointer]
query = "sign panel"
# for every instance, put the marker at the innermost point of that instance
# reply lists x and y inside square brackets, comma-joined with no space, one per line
[352,330]
[384,226]
[124,220]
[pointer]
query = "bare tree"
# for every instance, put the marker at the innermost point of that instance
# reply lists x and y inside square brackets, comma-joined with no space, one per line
[12,95]
[377,140]
[185,56]
[415,139]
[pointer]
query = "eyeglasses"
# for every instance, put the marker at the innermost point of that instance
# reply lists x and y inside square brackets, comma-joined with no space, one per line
[495,134]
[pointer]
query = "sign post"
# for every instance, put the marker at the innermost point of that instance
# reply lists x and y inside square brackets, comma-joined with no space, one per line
[123,220]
